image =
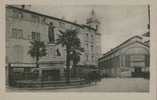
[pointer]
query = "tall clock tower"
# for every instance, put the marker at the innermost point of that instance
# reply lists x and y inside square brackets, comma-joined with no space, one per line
[92,21]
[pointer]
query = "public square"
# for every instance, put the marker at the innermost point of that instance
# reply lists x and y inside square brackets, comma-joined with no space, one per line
[105,85]
[50,53]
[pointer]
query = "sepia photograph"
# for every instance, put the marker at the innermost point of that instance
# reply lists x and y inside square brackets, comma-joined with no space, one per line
[77,48]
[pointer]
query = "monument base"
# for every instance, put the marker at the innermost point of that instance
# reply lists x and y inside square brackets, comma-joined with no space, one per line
[52,63]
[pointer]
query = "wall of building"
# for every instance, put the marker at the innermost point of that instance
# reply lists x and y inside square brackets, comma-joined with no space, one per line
[118,62]
[26,22]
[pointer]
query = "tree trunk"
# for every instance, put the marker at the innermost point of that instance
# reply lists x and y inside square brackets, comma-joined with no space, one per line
[68,65]
[74,70]
[37,60]
[37,66]
[37,57]
[74,67]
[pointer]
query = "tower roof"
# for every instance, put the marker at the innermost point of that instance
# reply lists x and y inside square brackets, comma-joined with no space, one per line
[92,18]
[93,12]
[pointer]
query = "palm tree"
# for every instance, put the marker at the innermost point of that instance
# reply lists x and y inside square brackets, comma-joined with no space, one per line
[37,50]
[75,57]
[71,42]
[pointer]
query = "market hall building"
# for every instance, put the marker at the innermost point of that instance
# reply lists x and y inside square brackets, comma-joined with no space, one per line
[129,59]
[24,25]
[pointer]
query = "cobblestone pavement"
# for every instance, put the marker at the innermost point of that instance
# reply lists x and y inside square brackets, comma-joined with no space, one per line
[108,85]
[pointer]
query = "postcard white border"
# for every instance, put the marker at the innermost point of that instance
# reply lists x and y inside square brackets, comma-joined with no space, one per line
[85,95]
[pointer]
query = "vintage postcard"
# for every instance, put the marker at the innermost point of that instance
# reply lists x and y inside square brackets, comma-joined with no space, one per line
[79,48]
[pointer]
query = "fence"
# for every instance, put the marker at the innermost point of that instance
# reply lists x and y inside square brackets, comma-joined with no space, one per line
[141,74]
[19,72]
[27,75]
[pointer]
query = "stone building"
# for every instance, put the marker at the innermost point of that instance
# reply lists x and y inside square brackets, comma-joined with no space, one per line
[132,56]
[24,25]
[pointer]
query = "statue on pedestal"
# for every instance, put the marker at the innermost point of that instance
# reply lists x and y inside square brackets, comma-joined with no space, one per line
[51,34]
[58,52]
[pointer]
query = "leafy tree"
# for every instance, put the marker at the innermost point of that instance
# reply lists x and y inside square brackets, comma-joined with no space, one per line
[71,42]
[37,50]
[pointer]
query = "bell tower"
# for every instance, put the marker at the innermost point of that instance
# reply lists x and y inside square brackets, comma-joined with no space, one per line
[92,20]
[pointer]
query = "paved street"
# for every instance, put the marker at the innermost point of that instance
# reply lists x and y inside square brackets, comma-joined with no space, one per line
[115,85]
[109,85]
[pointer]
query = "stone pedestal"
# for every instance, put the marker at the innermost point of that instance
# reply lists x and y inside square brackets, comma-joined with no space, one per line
[51,50]
[52,62]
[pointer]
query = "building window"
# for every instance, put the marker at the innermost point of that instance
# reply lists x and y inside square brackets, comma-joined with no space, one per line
[92,37]
[17,53]
[136,60]
[92,58]
[43,20]
[86,57]
[17,33]
[17,14]
[127,61]
[35,18]
[92,49]
[87,45]
[122,60]
[61,24]
[36,36]
[86,37]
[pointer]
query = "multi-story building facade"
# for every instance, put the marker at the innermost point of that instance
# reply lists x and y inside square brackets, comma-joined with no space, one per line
[24,25]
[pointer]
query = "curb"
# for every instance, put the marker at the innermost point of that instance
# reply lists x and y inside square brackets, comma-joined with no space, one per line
[11,89]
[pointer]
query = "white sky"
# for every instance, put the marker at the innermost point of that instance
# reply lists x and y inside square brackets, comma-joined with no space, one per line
[118,23]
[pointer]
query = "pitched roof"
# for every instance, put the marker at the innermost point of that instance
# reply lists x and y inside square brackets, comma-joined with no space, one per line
[117,47]
[55,18]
